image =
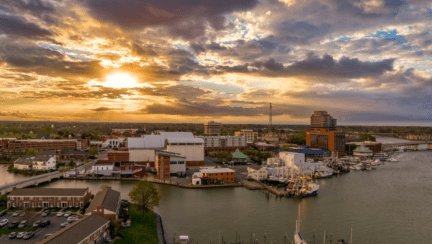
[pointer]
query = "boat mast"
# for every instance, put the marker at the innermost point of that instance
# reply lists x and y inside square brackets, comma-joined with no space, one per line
[351,236]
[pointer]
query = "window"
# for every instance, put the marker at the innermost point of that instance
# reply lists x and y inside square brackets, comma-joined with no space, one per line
[21,198]
[78,198]
[69,198]
[12,198]
[40,198]
[59,198]
[50,198]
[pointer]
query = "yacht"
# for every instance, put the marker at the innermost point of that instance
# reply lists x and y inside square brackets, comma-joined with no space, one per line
[392,160]
[381,156]
[358,167]
[297,237]
[377,161]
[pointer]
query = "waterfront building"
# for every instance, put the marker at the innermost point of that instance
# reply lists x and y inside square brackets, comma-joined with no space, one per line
[291,158]
[142,149]
[48,197]
[42,163]
[162,163]
[238,156]
[106,203]
[322,134]
[363,151]
[376,147]
[250,135]
[87,230]
[24,163]
[103,168]
[216,174]
[258,174]
[212,128]
[214,144]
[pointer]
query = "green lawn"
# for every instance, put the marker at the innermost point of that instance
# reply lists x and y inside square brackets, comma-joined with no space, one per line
[142,229]
[4,231]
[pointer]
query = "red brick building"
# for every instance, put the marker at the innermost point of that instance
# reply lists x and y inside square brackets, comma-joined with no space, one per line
[40,145]
[48,197]
[162,163]
[72,154]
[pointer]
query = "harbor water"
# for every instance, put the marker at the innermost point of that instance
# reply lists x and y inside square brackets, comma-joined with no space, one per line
[390,204]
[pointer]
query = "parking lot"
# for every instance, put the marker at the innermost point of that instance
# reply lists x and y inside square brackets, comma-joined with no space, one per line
[39,232]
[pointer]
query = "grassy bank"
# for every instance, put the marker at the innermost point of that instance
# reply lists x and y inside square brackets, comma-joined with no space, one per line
[142,229]
[4,231]
[26,172]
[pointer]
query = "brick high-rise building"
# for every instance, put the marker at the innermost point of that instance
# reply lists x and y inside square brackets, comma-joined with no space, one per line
[212,128]
[323,134]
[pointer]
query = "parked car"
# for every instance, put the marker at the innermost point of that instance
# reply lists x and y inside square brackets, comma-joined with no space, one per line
[3,213]
[20,235]
[47,235]
[36,224]
[22,214]
[45,223]
[73,218]
[62,225]
[4,222]
[61,213]
[28,235]
[16,214]
[46,213]
[67,214]
[12,235]
[22,224]
[14,224]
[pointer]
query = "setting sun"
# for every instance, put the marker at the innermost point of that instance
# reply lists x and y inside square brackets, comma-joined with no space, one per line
[121,80]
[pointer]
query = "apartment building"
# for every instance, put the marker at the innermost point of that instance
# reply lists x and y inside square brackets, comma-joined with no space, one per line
[250,135]
[90,229]
[213,144]
[42,145]
[48,197]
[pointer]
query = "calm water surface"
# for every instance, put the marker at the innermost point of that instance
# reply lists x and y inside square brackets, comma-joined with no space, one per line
[388,205]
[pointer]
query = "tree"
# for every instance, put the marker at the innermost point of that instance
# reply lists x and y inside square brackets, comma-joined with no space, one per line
[285,148]
[60,133]
[31,152]
[3,200]
[93,151]
[72,163]
[15,131]
[48,130]
[145,195]
[367,137]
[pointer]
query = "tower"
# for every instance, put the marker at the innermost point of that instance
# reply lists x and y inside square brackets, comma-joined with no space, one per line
[270,119]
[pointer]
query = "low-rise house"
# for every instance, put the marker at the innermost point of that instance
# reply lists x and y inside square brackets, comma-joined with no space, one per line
[24,163]
[106,203]
[42,163]
[90,229]
[48,197]
[103,168]
[73,154]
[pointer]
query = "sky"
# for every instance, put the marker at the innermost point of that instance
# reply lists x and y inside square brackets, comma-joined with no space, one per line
[363,61]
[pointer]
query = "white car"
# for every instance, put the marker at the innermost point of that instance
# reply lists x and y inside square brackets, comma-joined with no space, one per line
[16,214]
[67,214]
[61,213]
[4,222]
[20,235]
[72,219]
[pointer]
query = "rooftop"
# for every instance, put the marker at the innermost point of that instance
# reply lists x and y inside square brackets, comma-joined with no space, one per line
[47,152]
[107,198]
[77,231]
[217,170]
[73,152]
[48,192]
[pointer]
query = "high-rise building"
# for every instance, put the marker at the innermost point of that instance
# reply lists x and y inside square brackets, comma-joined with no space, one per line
[322,120]
[323,134]
[212,128]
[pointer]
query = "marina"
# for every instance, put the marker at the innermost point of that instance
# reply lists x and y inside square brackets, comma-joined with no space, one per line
[380,205]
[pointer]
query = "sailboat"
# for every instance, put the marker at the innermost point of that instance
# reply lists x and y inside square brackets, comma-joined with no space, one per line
[297,237]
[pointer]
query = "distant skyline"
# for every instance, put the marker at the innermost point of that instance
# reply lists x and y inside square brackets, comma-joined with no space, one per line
[366,62]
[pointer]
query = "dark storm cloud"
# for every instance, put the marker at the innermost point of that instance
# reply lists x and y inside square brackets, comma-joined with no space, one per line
[184,18]
[357,8]
[142,51]
[14,25]
[30,58]
[314,66]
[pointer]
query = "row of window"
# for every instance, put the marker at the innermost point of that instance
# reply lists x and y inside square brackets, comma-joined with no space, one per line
[177,162]
[42,198]
[46,205]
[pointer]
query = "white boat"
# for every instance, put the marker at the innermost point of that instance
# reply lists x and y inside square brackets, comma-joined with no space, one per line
[373,165]
[358,167]
[297,237]
[381,156]
[392,160]
[377,161]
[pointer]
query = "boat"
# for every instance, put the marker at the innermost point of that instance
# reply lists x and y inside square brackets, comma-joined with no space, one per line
[377,161]
[303,186]
[392,160]
[381,156]
[182,239]
[297,237]
[358,167]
